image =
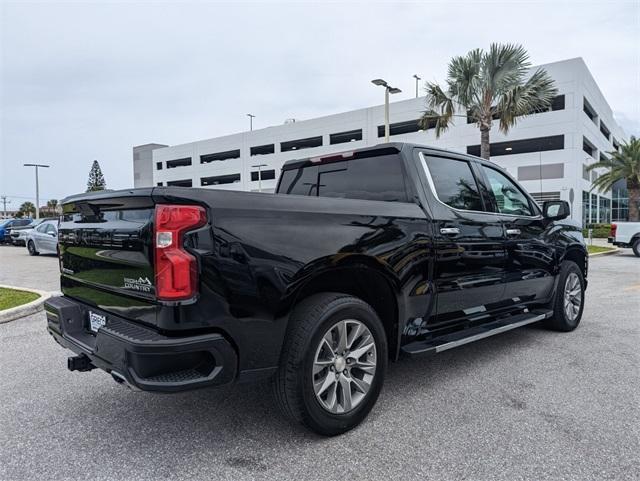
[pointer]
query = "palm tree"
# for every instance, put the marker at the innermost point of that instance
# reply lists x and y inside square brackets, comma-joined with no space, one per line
[623,164]
[28,208]
[52,206]
[488,86]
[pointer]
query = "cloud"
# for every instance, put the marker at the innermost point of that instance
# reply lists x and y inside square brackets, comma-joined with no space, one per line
[83,81]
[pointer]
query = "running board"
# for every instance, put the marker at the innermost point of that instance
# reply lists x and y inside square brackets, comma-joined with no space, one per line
[449,341]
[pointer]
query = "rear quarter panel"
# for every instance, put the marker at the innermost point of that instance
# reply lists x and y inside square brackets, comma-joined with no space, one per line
[265,247]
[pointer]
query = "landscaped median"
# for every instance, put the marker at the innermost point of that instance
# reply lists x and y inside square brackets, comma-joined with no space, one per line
[17,302]
[600,250]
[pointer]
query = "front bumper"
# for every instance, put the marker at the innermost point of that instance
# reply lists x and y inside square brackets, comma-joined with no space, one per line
[144,358]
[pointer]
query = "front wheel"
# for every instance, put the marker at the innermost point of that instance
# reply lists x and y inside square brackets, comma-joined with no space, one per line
[568,303]
[333,363]
[31,247]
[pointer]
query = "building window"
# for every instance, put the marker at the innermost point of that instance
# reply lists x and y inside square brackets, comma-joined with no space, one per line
[537,172]
[158,165]
[557,103]
[263,149]
[180,183]
[594,176]
[589,148]
[172,164]
[264,175]
[619,202]
[585,172]
[524,146]
[404,127]
[604,213]
[301,144]
[229,154]
[159,184]
[344,137]
[586,208]
[594,208]
[220,179]
[605,131]
[590,111]
[616,145]
[542,197]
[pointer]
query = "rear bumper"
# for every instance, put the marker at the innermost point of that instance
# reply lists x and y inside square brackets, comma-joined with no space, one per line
[144,358]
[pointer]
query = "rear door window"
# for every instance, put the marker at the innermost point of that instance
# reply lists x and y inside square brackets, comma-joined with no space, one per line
[454,183]
[370,178]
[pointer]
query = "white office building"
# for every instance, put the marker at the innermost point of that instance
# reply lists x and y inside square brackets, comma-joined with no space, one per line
[548,152]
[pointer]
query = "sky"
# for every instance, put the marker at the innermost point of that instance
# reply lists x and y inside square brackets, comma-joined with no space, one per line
[88,80]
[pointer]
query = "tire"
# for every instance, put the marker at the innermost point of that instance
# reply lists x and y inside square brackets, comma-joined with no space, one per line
[31,247]
[636,247]
[311,360]
[567,308]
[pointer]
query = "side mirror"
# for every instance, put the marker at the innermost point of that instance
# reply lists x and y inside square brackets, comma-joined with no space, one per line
[556,209]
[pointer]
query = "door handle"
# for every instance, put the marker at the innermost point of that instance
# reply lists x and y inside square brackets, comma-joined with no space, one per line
[513,231]
[449,231]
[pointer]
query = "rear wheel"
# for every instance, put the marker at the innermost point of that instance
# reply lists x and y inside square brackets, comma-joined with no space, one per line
[569,299]
[636,247]
[333,363]
[31,247]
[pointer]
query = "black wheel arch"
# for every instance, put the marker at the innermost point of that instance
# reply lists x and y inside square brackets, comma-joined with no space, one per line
[361,279]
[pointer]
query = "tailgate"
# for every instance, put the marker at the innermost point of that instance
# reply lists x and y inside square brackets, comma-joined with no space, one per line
[106,252]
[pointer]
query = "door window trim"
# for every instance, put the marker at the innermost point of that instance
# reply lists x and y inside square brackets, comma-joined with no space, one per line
[425,167]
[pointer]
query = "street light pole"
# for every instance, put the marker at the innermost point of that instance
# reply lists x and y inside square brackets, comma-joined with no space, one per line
[415,76]
[37,186]
[251,117]
[388,89]
[259,166]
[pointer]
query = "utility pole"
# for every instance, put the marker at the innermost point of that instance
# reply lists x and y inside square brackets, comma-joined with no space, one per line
[259,166]
[4,205]
[251,117]
[415,76]
[37,186]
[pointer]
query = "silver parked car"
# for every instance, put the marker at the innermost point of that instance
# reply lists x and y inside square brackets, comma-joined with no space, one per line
[43,239]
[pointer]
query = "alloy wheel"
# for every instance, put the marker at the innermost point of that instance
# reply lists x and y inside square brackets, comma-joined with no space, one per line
[344,366]
[572,296]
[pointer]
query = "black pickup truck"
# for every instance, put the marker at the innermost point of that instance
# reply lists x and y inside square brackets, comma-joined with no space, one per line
[359,258]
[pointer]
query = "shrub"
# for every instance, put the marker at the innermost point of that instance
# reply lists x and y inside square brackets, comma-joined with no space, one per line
[600,231]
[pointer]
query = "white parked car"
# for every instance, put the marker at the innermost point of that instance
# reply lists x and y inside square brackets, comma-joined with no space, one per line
[626,234]
[43,239]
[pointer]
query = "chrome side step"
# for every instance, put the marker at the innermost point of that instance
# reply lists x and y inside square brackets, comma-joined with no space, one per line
[449,341]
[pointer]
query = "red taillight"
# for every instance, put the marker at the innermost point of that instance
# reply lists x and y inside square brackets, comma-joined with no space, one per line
[176,269]
[614,228]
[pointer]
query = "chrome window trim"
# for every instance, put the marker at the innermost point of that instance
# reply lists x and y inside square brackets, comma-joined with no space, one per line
[432,187]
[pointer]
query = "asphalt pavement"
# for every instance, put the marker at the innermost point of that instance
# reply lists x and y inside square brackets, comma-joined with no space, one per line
[526,405]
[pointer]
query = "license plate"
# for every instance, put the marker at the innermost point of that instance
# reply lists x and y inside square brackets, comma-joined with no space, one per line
[96,321]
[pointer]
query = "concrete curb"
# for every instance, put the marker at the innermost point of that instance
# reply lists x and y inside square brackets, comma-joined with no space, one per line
[615,250]
[25,309]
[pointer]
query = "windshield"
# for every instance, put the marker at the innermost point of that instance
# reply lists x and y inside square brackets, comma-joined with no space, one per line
[4,222]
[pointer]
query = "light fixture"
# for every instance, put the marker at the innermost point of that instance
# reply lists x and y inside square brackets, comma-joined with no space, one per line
[379,81]
[509,149]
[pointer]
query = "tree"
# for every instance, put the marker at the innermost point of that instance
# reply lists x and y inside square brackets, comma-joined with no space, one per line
[623,164]
[96,179]
[27,208]
[488,86]
[52,206]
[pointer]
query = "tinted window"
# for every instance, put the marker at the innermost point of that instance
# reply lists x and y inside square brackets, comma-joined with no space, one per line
[508,196]
[370,178]
[454,183]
